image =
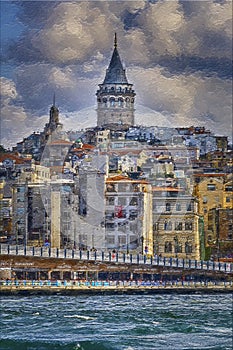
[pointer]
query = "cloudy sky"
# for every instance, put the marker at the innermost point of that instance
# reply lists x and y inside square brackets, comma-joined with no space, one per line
[176,53]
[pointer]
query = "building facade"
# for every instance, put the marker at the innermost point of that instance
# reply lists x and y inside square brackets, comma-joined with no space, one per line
[175,224]
[128,215]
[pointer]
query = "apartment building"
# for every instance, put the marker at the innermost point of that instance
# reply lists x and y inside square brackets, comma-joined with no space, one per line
[128,215]
[209,189]
[175,223]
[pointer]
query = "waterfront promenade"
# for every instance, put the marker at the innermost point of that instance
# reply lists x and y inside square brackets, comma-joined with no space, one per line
[25,287]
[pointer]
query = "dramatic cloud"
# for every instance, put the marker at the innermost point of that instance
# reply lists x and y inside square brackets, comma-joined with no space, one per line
[177,55]
[16,123]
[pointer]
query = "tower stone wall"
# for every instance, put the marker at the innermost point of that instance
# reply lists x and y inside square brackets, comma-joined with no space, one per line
[115,96]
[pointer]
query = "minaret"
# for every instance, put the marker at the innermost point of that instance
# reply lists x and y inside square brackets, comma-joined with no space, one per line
[115,96]
[53,115]
[53,124]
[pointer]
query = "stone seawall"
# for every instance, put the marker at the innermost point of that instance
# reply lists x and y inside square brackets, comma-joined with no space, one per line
[77,290]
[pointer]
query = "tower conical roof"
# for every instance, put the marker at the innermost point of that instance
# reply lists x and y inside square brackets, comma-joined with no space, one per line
[115,74]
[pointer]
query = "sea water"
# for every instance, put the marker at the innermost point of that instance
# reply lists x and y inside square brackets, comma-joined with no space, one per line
[116,322]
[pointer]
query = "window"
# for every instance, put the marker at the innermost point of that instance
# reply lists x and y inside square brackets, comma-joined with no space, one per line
[20,211]
[211,187]
[168,207]
[205,200]
[133,240]
[122,187]
[168,247]
[110,226]
[136,188]
[20,200]
[178,226]
[228,199]
[133,214]
[109,215]
[122,200]
[21,189]
[178,247]
[82,240]
[188,248]
[189,207]
[110,200]
[167,226]
[120,102]
[122,228]
[112,102]
[110,240]
[178,207]
[188,225]
[133,201]
[66,227]
[133,226]
[111,188]
[121,240]
[229,188]
[156,226]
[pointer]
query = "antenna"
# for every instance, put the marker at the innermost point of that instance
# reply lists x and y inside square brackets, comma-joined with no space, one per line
[54,99]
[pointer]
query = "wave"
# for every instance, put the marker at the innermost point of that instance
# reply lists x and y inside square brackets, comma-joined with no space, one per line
[80,316]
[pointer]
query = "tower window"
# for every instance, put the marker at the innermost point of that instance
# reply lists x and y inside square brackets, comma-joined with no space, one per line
[120,102]
[112,102]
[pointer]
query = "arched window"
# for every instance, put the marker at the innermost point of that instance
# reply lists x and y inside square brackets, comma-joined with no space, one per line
[120,102]
[127,100]
[167,225]
[178,226]
[188,225]
[188,248]
[112,101]
[168,247]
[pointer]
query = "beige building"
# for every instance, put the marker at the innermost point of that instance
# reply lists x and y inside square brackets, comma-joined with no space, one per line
[175,224]
[209,189]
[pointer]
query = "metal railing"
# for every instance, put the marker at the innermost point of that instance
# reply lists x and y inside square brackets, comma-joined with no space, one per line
[115,284]
[103,256]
